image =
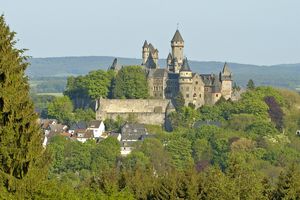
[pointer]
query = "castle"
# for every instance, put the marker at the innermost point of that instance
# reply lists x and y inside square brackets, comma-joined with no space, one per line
[177,77]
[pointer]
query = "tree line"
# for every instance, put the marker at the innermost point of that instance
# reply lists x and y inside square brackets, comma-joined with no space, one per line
[253,154]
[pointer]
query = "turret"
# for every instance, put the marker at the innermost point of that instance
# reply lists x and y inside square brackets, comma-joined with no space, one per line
[226,74]
[169,59]
[177,44]
[150,63]
[226,80]
[115,66]
[145,52]
[185,71]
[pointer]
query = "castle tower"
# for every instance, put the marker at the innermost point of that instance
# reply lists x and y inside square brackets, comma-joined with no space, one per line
[169,61]
[177,44]
[145,52]
[150,63]
[186,82]
[226,81]
[115,66]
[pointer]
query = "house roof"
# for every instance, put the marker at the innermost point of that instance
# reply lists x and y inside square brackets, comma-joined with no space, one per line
[133,131]
[58,128]
[94,124]
[177,37]
[85,133]
[78,125]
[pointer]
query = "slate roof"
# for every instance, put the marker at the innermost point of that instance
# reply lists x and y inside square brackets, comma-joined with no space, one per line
[115,65]
[95,124]
[177,37]
[145,44]
[169,56]
[133,131]
[185,65]
[78,125]
[158,73]
[150,62]
[226,71]
[173,75]
[207,79]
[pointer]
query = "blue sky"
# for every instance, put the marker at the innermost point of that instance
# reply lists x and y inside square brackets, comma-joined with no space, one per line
[244,31]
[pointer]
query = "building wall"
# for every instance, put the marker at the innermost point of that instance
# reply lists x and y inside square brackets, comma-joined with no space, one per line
[157,87]
[226,89]
[148,111]
[198,91]
[177,51]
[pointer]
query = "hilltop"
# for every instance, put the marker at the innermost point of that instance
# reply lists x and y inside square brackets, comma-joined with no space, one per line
[283,75]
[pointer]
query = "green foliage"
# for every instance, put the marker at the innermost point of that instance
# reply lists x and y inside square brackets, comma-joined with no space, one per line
[61,108]
[105,154]
[250,85]
[179,101]
[114,125]
[131,83]
[41,103]
[83,89]
[288,186]
[185,117]
[262,128]
[85,115]
[23,163]
[180,152]
[210,113]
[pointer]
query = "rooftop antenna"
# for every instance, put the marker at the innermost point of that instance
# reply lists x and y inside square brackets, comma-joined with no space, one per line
[177,25]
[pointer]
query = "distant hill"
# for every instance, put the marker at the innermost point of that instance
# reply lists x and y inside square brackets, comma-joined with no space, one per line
[285,75]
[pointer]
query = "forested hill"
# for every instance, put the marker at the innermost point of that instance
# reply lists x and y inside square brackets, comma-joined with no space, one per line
[287,75]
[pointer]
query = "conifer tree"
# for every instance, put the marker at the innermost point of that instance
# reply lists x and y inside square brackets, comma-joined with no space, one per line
[20,137]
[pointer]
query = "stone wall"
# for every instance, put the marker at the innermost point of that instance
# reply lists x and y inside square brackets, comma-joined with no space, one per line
[147,111]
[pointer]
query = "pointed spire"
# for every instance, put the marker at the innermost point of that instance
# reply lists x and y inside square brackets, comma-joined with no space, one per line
[150,62]
[185,65]
[226,71]
[145,44]
[177,37]
[169,56]
[115,65]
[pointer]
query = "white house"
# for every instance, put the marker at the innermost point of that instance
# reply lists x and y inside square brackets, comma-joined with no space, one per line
[98,128]
[83,135]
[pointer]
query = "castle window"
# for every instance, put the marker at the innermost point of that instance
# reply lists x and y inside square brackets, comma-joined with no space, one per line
[195,95]
[187,88]
[200,95]
[196,82]
[217,95]
[187,95]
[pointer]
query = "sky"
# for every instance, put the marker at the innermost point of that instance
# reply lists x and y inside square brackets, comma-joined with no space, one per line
[263,32]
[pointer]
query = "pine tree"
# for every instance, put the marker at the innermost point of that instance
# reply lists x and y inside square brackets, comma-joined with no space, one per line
[250,85]
[21,152]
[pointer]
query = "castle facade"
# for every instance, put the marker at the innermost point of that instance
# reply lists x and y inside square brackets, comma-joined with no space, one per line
[177,77]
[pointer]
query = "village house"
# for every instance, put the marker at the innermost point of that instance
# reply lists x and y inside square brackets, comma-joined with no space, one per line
[98,128]
[130,134]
